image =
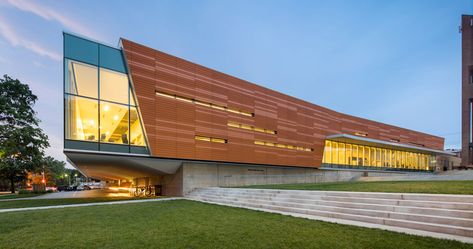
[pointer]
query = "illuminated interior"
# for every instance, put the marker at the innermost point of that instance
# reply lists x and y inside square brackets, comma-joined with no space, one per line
[113,86]
[283,146]
[100,106]
[211,139]
[359,155]
[251,128]
[206,104]
[81,118]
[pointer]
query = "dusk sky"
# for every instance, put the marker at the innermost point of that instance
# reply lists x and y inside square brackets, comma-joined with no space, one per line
[397,62]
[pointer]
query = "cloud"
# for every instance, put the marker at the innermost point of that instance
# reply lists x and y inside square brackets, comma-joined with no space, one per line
[51,15]
[38,64]
[16,40]
[4,61]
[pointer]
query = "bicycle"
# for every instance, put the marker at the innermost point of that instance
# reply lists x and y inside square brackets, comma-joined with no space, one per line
[143,191]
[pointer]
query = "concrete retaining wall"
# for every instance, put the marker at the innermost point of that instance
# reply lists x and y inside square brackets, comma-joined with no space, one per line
[197,175]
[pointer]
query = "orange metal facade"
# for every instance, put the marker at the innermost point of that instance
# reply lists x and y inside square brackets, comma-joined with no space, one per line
[172,124]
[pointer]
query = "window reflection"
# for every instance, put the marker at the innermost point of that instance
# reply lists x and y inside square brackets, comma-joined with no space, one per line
[82,79]
[81,118]
[113,86]
[132,98]
[113,123]
[136,131]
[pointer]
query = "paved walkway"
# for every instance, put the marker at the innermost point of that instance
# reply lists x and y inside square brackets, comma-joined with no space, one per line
[441,176]
[87,204]
[94,193]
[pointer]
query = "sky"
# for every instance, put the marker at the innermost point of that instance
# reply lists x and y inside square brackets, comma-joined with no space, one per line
[396,62]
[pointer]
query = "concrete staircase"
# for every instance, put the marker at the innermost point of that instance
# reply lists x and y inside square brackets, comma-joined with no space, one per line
[444,216]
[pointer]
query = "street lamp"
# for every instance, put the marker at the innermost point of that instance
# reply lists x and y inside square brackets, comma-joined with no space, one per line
[68,178]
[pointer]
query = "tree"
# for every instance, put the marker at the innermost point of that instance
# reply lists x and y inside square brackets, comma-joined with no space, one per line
[54,170]
[22,142]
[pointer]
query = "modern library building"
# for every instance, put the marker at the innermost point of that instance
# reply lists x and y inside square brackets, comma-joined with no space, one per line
[137,116]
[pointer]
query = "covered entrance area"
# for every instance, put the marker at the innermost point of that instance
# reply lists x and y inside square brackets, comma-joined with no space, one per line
[122,172]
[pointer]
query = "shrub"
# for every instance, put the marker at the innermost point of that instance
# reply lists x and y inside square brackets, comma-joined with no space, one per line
[24,191]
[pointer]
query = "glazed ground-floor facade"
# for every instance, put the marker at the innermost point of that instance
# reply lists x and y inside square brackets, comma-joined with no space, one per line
[340,153]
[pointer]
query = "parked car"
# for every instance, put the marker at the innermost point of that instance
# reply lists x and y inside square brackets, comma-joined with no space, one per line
[66,188]
[83,187]
[53,189]
[62,188]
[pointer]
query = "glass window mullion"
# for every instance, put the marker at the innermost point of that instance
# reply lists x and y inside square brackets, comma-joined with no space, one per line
[98,100]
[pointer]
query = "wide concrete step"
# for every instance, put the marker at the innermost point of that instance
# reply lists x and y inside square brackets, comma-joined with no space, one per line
[428,218]
[366,200]
[344,204]
[376,195]
[438,228]
[440,214]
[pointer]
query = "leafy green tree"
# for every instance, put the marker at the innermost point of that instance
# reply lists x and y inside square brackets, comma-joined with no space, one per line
[22,142]
[54,170]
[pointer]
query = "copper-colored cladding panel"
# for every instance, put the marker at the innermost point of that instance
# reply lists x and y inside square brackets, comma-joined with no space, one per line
[172,124]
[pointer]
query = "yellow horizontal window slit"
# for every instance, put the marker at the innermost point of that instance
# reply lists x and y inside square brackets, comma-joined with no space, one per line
[206,104]
[361,134]
[211,139]
[218,140]
[246,127]
[259,129]
[200,138]
[218,107]
[202,103]
[184,99]
[251,128]
[165,95]
[247,114]
[283,146]
[233,110]
[234,125]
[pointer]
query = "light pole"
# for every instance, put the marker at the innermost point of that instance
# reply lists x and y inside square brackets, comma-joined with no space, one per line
[68,179]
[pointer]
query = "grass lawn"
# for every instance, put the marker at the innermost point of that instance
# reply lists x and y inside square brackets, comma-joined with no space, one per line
[15,196]
[189,224]
[51,202]
[430,187]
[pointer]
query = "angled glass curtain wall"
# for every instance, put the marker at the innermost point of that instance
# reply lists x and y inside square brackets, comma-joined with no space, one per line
[354,155]
[99,106]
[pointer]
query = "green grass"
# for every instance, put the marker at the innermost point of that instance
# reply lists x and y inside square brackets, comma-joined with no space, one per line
[16,196]
[51,202]
[430,187]
[188,224]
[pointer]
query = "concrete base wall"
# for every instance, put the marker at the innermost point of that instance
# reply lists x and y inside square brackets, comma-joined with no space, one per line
[197,175]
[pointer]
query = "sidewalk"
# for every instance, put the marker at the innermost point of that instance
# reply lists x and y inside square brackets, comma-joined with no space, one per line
[87,204]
